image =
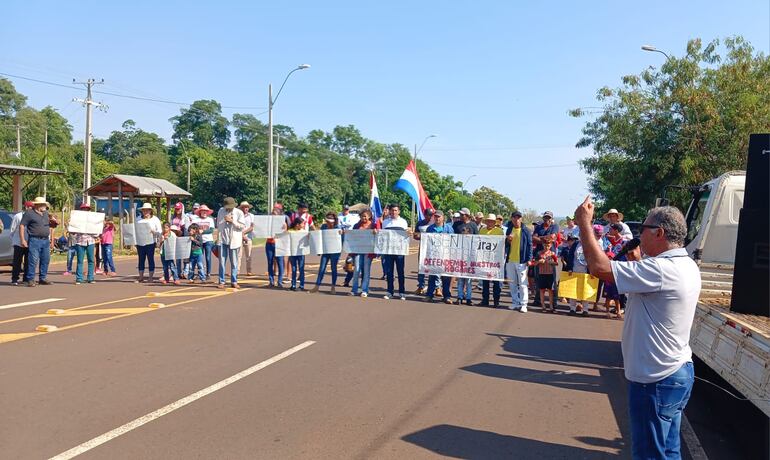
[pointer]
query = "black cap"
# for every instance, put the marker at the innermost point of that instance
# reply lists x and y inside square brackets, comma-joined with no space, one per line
[516,214]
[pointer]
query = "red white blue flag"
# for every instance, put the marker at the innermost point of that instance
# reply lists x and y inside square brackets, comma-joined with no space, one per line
[410,183]
[374,199]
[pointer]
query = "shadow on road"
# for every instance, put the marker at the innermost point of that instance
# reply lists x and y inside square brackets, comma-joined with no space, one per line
[460,442]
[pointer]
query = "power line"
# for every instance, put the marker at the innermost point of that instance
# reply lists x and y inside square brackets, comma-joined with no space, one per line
[565,165]
[473,149]
[128,96]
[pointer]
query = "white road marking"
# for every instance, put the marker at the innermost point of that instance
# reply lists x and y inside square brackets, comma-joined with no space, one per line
[31,302]
[110,435]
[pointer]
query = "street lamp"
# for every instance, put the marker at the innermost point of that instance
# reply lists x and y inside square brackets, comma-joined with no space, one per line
[272,170]
[463,184]
[655,50]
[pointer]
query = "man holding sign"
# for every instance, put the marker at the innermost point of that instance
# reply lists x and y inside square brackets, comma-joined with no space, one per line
[394,222]
[84,227]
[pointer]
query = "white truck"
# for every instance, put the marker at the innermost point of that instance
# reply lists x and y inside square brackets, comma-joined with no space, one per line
[735,345]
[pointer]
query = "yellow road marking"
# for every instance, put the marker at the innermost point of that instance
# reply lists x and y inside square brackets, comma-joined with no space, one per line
[109,302]
[18,336]
[99,311]
[185,294]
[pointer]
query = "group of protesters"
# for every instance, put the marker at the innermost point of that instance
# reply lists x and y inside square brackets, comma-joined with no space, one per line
[533,257]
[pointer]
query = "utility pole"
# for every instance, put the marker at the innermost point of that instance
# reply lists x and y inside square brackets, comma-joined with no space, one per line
[188,173]
[270,168]
[45,165]
[89,104]
[278,148]
[18,139]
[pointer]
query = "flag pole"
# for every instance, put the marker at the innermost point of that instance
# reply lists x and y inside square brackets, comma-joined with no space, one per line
[414,213]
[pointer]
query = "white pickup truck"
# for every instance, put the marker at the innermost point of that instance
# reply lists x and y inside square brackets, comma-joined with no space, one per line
[735,345]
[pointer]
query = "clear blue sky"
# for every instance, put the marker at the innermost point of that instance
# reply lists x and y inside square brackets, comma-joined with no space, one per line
[493,80]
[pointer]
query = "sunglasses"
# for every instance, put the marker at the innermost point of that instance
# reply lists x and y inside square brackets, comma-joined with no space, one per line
[643,226]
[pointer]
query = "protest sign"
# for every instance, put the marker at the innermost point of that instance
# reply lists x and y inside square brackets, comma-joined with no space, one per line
[578,286]
[359,242]
[463,256]
[392,242]
[268,226]
[86,222]
[176,247]
[292,244]
[138,234]
[325,242]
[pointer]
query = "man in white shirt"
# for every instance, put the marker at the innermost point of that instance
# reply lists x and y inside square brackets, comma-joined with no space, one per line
[346,219]
[245,251]
[19,266]
[394,222]
[663,291]
[230,225]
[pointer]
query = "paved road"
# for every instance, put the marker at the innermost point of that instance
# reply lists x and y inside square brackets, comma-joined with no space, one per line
[381,379]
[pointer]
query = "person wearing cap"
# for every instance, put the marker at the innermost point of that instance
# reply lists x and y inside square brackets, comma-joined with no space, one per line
[331,259]
[19,264]
[84,248]
[421,226]
[464,285]
[230,225]
[206,227]
[480,221]
[248,236]
[146,253]
[518,253]
[439,226]
[546,227]
[491,227]
[569,229]
[457,219]
[35,234]
[179,218]
[613,216]
[346,219]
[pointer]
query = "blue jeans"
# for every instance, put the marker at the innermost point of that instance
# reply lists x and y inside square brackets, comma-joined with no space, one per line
[71,253]
[496,289]
[297,271]
[464,288]
[196,260]
[146,252]
[420,280]
[169,270]
[446,289]
[88,252]
[226,253]
[39,253]
[363,264]
[655,410]
[270,253]
[325,259]
[206,246]
[109,264]
[388,262]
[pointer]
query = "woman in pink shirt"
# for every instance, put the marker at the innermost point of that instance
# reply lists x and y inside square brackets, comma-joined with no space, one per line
[108,235]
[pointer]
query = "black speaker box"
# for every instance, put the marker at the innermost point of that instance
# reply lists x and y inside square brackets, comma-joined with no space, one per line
[751,279]
[757,195]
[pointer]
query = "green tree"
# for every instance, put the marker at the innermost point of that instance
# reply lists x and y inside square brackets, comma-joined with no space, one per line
[130,143]
[489,200]
[203,124]
[679,125]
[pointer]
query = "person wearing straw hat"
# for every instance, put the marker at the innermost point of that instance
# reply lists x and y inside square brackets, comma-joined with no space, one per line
[35,234]
[230,225]
[491,227]
[146,253]
[613,216]
[248,236]
[206,226]
[84,249]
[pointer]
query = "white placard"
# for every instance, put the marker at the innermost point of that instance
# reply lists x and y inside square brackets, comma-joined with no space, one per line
[268,226]
[292,244]
[176,248]
[463,256]
[392,242]
[359,241]
[86,222]
[325,242]
[138,234]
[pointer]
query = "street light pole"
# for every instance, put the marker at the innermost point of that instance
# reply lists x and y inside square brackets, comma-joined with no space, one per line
[466,182]
[272,167]
[655,50]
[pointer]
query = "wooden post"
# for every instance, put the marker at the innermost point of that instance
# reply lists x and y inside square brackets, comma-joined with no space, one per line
[16,194]
[160,208]
[132,206]
[168,209]
[120,213]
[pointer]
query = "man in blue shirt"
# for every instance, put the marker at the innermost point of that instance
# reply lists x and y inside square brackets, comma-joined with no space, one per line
[439,226]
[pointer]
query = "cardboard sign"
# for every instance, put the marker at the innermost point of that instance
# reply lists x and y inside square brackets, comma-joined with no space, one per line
[292,244]
[86,222]
[578,286]
[268,226]
[325,242]
[463,255]
[176,248]
[137,234]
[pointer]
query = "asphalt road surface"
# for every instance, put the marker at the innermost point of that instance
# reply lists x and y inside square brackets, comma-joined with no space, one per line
[262,373]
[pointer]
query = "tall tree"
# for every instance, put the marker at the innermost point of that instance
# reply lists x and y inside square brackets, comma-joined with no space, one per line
[681,124]
[203,124]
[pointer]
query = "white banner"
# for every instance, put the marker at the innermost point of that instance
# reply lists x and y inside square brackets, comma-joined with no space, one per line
[176,247]
[292,244]
[359,242]
[392,242]
[86,222]
[268,226]
[463,256]
[138,234]
[325,242]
